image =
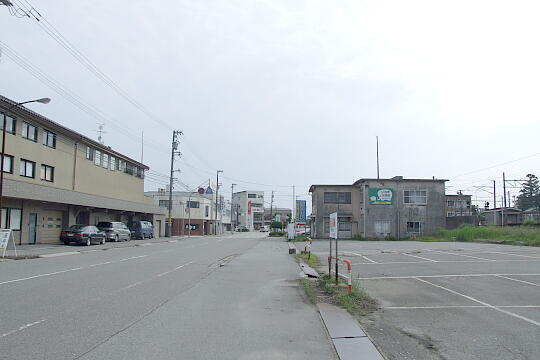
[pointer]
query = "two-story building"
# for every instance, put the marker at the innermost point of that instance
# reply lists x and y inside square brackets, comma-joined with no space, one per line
[55,177]
[379,208]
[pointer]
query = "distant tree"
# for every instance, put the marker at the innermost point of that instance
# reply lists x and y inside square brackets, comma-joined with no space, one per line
[529,195]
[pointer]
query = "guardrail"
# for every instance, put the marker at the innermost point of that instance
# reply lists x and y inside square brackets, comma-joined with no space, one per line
[347,277]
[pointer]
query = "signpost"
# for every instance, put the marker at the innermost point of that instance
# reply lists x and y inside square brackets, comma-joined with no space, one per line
[5,235]
[301,212]
[333,235]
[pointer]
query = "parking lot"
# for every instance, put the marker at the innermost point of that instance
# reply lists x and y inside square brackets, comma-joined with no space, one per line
[449,300]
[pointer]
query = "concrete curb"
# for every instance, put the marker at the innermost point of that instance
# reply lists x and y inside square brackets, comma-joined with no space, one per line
[349,340]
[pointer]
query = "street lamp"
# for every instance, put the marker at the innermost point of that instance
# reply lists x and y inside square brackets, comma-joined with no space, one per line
[217,192]
[42,101]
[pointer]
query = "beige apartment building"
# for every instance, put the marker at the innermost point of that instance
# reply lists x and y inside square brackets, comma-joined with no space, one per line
[55,177]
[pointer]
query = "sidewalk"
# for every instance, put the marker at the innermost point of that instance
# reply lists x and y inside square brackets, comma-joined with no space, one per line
[253,307]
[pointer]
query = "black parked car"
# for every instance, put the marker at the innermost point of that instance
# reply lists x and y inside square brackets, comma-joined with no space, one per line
[82,234]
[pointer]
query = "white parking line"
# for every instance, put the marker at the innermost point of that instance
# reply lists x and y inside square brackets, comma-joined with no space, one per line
[469,256]
[521,281]
[364,257]
[442,276]
[419,257]
[60,254]
[457,307]
[68,270]
[448,261]
[498,252]
[499,309]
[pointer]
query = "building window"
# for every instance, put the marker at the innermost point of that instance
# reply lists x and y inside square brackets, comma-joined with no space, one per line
[450,203]
[47,173]
[97,157]
[10,123]
[207,211]
[164,203]
[113,163]
[49,139]
[11,218]
[337,197]
[121,165]
[8,164]
[450,213]
[416,197]
[139,172]
[130,168]
[193,204]
[414,227]
[29,131]
[105,162]
[89,153]
[326,225]
[27,168]
[252,196]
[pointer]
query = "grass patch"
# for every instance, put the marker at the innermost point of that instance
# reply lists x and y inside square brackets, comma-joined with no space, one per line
[357,303]
[312,262]
[310,292]
[277,233]
[510,235]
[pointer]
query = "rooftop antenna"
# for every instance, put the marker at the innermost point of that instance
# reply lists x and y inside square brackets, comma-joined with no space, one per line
[100,132]
[377,157]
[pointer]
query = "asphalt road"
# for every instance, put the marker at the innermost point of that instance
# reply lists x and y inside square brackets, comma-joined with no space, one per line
[449,300]
[230,297]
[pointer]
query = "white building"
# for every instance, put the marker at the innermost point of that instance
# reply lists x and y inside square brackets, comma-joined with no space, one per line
[248,209]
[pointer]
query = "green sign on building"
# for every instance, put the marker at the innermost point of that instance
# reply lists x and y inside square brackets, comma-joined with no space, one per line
[381,196]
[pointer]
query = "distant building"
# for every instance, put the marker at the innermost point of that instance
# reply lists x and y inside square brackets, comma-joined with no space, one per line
[459,211]
[279,214]
[248,209]
[191,209]
[507,216]
[531,214]
[379,208]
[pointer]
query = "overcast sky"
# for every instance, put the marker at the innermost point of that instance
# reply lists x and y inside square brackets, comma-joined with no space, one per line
[294,92]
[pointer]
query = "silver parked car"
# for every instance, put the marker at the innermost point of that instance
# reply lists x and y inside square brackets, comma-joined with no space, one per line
[114,230]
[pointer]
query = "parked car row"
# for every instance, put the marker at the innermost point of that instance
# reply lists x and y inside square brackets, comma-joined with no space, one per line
[107,231]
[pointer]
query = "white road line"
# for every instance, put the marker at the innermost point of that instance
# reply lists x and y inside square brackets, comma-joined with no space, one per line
[498,252]
[68,270]
[469,256]
[176,268]
[443,307]
[364,257]
[61,254]
[133,285]
[441,276]
[530,321]
[521,281]
[419,257]
[448,261]
[22,328]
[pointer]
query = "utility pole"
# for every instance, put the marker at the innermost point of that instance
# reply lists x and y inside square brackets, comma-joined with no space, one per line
[271,205]
[377,157]
[174,152]
[494,195]
[217,193]
[232,196]
[293,206]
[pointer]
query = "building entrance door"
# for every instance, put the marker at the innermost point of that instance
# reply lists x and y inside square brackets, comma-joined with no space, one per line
[32,228]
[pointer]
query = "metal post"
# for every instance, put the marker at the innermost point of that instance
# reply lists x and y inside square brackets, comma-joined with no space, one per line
[217,192]
[494,195]
[337,237]
[232,195]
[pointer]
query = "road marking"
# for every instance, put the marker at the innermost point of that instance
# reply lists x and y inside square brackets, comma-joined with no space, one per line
[22,328]
[146,244]
[530,321]
[521,281]
[457,307]
[498,252]
[441,276]
[68,270]
[176,268]
[59,254]
[419,257]
[133,285]
[365,257]
[173,241]
[469,256]
[447,261]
